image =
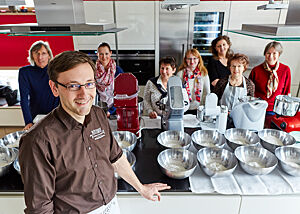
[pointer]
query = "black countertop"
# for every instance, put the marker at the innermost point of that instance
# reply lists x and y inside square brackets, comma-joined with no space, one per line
[146,168]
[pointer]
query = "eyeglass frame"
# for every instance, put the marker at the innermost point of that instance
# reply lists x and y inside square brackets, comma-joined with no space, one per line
[78,85]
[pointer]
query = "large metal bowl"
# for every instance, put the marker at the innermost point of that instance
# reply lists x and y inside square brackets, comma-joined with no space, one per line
[256,160]
[174,139]
[272,139]
[177,163]
[289,159]
[240,137]
[131,159]
[11,140]
[7,157]
[216,162]
[126,140]
[208,138]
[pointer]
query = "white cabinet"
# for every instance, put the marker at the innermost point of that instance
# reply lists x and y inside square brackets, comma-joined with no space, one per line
[137,17]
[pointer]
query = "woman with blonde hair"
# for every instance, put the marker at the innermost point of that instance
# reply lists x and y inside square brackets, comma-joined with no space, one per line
[195,79]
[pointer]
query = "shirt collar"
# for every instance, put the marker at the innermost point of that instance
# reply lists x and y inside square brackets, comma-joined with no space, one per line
[159,81]
[69,121]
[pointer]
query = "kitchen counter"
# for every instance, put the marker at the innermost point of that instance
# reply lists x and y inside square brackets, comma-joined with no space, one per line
[146,168]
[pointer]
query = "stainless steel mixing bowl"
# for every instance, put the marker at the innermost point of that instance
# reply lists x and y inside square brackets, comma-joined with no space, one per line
[174,139]
[208,138]
[240,137]
[177,163]
[216,162]
[11,140]
[131,159]
[126,140]
[272,139]
[289,159]
[256,160]
[7,157]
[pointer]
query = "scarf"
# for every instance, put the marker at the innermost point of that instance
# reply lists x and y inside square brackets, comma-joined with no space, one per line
[105,81]
[105,78]
[196,75]
[273,79]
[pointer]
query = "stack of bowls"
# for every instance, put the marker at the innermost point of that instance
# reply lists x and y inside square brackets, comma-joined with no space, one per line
[11,140]
[208,138]
[174,139]
[272,139]
[256,160]
[177,163]
[216,162]
[289,159]
[240,137]
[126,140]
[7,157]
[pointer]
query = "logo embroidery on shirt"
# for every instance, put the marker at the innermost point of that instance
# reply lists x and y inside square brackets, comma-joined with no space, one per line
[96,134]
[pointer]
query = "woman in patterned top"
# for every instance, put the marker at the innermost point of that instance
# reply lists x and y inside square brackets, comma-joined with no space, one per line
[106,72]
[195,79]
[236,86]
[155,93]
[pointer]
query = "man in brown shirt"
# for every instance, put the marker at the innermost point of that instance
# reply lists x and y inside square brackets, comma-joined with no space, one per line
[68,159]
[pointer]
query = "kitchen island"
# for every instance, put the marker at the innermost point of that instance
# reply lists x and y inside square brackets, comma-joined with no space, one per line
[179,199]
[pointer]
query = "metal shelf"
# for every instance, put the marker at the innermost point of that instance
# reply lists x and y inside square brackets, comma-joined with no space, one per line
[265,36]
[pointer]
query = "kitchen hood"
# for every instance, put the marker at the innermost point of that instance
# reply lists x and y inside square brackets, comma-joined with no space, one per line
[171,5]
[60,17]
[290,31]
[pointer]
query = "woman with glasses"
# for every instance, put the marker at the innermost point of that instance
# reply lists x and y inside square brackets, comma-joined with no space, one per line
[236,86]
[217,65]
[35,93]
[271,78]
[155,93]
[106,72]
[195,79]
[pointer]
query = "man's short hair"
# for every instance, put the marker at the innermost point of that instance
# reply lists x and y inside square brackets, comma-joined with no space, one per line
[66,61]
[36,46]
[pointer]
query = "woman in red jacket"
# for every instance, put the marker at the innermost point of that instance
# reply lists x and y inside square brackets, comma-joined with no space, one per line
[271,78]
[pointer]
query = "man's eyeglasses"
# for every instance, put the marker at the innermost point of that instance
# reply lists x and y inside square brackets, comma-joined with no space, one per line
[76,87]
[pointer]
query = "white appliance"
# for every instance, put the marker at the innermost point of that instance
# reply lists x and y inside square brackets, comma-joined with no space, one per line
[212,116]
[249,114]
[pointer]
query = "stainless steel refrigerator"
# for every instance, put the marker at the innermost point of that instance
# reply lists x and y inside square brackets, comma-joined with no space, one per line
[185,28]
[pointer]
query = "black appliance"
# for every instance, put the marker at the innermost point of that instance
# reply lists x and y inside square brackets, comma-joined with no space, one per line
[141,63]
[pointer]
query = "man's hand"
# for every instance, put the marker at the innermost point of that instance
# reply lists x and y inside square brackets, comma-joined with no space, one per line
[151,191]
[28,126]
[153,115]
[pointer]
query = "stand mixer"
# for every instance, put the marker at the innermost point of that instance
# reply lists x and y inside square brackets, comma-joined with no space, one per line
[287,116]
[126,102]
[212,116]
[172,118]
[249,113]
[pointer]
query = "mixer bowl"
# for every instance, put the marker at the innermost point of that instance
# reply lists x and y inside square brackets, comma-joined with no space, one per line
[216,162]
[240,137]
[7,156]
[126,140]
[11,140]
[256,160]
[289,159]
[174,139]
[177,163]
[272,139]
[208,138]
[286,106]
